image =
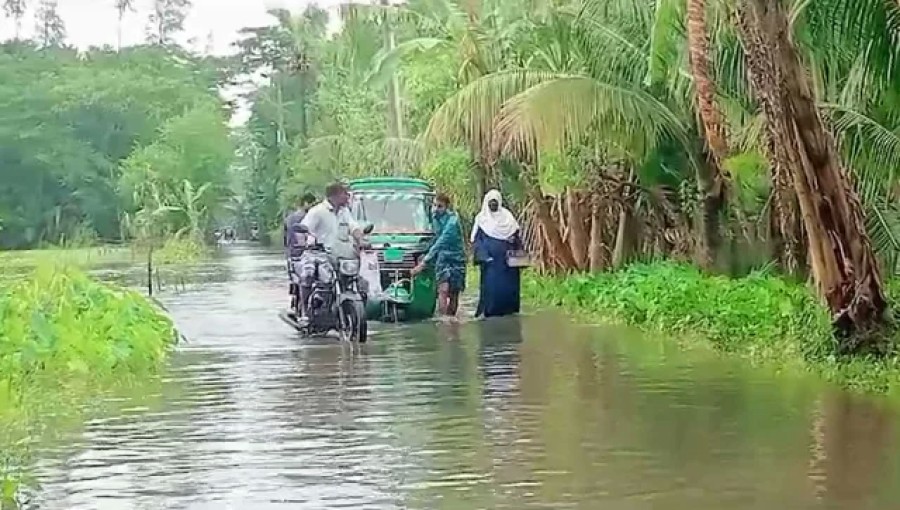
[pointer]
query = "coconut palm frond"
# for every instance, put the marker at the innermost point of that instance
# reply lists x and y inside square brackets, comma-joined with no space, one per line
[870,148]
[467,117]
[386,63]
[562,110]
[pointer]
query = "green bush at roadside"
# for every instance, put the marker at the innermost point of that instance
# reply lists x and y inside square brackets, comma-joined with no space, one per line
[63,338]
[762,318]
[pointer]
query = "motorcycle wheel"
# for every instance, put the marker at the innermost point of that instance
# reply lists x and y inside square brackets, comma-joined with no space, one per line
[353,322]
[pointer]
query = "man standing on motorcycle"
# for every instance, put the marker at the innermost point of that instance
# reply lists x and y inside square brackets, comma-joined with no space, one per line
[332,225]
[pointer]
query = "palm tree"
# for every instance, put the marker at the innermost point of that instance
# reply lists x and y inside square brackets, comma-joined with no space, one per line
[585,84]
[710,178]
[842,259]
[475,32]
[15,9]
[122,6]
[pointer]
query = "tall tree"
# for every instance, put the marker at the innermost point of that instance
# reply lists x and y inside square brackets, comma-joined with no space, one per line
[842,260]
[64,140]
[15,9]
[395,106]
[122,7]
[710,176]
[166,20]
[50,29]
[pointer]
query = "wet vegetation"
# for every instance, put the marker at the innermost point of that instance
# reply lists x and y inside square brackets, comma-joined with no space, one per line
[127,146]
[63,338]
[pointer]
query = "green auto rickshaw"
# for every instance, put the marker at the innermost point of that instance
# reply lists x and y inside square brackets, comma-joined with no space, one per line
[400,210]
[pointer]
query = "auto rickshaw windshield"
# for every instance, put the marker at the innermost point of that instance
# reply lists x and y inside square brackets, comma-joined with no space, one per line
[394,213]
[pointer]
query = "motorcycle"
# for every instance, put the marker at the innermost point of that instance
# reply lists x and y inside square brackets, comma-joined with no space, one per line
[335,301]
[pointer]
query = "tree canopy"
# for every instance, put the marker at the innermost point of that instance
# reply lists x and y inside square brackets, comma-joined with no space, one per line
[81,130]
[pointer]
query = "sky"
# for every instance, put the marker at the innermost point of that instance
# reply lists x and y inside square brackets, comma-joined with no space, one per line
[211,24]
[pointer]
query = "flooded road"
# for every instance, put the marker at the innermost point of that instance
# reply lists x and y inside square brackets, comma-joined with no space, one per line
[523,413]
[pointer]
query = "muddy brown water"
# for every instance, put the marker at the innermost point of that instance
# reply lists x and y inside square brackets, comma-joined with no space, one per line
[520,413]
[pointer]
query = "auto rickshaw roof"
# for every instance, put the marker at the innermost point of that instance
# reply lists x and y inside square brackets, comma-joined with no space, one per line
[389,184]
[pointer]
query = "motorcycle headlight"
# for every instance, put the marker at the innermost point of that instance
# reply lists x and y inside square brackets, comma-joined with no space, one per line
[349,267]
[325,274]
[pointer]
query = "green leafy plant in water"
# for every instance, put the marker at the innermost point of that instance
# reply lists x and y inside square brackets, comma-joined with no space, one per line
[180,250]
[63,337]
[761,317]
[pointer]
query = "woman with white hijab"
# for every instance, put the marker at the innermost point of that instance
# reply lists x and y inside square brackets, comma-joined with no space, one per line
[494,234]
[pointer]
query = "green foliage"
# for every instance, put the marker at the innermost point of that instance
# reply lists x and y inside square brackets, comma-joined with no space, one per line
[451,172]
[192,148]
[762,317]
[70,122]
[64,336]
[176,251]
[61,322]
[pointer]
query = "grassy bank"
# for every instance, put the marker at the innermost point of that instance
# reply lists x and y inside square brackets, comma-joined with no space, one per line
[172,252]
[761,318]
[63,338]
[24,260]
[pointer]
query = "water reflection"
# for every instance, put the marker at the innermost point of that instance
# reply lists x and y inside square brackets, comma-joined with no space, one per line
[853,450]
[521,412]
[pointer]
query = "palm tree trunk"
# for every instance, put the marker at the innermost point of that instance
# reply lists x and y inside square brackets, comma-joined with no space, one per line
[558,249]
[304,107]
[596,252]
[119,33]
[578,234]
[395,107]
[786,225]
[624,242]
[843,263]
[710,176]
[484,172]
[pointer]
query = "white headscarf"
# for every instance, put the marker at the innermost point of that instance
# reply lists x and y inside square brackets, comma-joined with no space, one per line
[499,225]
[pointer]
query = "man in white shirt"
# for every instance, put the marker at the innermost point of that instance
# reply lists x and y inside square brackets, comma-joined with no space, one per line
[332,225]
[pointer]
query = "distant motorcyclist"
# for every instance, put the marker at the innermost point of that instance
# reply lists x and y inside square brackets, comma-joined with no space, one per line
[332,226]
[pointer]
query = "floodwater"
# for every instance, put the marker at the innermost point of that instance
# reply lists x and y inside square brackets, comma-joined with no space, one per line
[522,413]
